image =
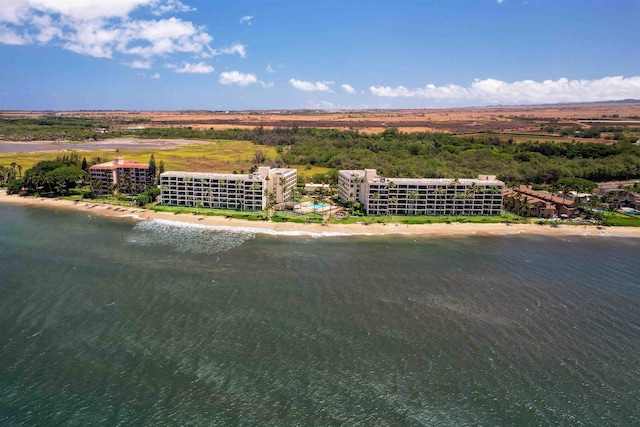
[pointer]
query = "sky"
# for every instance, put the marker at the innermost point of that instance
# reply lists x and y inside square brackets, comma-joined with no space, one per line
[309,54]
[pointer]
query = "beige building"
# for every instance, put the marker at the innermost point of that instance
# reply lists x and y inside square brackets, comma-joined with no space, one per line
[247,192]
[421,196]
[123,176]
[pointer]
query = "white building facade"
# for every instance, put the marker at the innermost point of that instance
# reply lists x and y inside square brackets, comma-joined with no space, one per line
[246,192]
[421,196]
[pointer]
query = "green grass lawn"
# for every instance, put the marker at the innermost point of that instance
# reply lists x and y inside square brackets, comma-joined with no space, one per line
[424,219]
[621,220]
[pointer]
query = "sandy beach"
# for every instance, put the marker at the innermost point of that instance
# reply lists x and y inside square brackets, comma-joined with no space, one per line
[293,229]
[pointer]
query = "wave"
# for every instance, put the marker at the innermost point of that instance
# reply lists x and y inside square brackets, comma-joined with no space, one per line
[257,230]
[193,238]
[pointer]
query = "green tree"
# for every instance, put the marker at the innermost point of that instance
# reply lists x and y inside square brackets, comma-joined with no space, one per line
[152,169]
[35,178]
[259,157]
[413,196]
[14,186]
[65,177]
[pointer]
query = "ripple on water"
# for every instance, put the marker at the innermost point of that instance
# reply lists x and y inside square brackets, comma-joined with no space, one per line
[186,238]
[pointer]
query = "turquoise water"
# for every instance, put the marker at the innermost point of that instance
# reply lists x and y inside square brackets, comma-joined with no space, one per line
[315,205]
[111,322]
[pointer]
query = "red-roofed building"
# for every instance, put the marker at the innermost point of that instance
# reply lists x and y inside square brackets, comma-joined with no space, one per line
[122,176]
[541,204]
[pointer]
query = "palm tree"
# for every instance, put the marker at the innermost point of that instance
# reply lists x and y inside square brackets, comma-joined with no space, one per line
[13,169]
[283,186]
[392,205]
[523,207]
[413,196]
[440,191]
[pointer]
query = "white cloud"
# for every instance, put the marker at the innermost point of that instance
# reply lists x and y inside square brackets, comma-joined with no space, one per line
[166,36]
[102,28]
[236,77]
[8,36]
[155,76]
[19,11]
[310,86]
[266,85]
[348,88]
[500,1]
[247,19]
[524,91]
[238,48]
[170,6]
[145,65]
[269,69]
[199,68]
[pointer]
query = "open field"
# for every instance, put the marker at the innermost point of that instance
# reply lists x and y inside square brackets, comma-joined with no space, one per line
[205,156]
[521,120]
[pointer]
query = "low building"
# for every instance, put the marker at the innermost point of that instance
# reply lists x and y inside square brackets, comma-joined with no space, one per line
[619,198]
[122,176]
[247,192]
[421,196]
[540,204]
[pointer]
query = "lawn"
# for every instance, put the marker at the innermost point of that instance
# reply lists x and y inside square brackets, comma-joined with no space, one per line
[621,220]
[424,219]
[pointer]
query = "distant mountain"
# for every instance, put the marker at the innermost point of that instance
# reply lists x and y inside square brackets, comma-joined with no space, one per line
[621,101]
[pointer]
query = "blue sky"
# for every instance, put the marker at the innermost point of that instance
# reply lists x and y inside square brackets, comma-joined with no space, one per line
[291,54]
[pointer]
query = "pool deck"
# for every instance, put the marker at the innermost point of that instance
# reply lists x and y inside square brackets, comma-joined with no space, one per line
[309,207]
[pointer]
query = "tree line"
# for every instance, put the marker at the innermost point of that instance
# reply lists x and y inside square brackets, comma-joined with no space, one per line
[431,155]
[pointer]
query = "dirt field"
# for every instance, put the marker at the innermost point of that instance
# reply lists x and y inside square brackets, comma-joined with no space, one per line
[505,120]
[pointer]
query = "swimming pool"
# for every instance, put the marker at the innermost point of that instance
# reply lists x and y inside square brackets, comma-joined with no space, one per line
[315,206]
[630,211]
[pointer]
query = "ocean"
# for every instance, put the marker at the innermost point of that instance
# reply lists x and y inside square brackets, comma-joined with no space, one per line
[115,322]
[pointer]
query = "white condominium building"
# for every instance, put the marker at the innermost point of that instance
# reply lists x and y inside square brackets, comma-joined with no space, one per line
[421,196]
[247,192]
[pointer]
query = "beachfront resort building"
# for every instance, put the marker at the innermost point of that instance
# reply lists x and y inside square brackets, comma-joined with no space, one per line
[539,204]
[247,192]
[421,196]
[120,175]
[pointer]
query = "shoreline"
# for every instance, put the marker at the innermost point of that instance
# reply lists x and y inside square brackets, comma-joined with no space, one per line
[318,230]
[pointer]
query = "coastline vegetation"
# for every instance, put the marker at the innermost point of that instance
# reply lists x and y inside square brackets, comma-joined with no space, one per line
[393,153]
[52,128]
[318,154]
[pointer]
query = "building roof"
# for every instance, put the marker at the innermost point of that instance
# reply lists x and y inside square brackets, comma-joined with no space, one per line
[120,163]
[441,181]
[228,176]
[210,175]
[530,199]
[547,197]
